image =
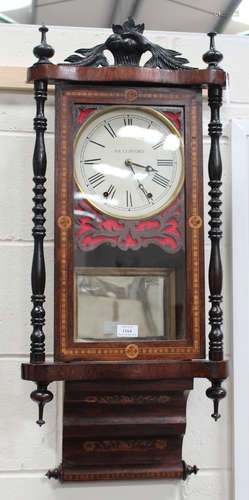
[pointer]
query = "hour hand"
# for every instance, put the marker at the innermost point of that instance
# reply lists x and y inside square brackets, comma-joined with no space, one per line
[129,163]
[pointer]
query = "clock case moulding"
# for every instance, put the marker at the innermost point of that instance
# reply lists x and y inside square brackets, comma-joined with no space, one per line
[125,419]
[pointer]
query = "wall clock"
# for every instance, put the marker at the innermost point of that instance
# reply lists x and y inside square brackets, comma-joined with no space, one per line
[129,267]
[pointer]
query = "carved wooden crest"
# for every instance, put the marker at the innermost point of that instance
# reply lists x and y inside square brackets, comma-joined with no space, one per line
[127,44]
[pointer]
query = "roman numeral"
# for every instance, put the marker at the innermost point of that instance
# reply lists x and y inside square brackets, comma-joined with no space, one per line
[93,161]
[128,120]
[96,179]
[97,143]
[109,129]
[161,180]
[165,163]
[128,199]
[158,145]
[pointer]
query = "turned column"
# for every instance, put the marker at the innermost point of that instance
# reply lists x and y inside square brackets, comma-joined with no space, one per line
[215,392]
[38,273]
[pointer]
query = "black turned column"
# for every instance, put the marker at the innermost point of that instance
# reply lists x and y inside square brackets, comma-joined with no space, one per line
[215,233]
[38,274]
[215,392]
[213,57]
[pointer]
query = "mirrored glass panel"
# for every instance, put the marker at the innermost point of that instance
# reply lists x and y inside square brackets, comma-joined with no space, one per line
[124,303]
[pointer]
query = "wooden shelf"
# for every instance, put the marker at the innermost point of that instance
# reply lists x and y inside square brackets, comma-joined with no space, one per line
[134,75]
[128,370]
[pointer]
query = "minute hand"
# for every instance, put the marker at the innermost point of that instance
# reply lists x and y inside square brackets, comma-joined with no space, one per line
[148,167]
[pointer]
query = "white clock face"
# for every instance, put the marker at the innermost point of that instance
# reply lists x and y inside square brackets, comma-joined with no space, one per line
[128,161]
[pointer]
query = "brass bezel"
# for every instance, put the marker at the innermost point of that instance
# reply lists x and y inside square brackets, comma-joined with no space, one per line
[170,125]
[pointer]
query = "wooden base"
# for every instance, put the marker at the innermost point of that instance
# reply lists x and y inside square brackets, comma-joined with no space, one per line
[124,429]
[124,420]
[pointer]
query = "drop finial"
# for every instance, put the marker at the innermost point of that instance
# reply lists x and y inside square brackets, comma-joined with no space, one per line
[216,392]
[41,396]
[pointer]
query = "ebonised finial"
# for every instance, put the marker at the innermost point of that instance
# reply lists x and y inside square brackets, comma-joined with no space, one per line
[43,51]
[55,473]
[188,470]
[216,393]
[212,57]
[41,396]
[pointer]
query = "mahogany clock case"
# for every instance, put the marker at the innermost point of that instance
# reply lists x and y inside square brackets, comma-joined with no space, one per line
[125,400]
[189,341]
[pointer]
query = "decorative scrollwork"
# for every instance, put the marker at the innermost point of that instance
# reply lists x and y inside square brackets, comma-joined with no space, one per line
[127,45]
[126,399]
[164,229]
[128,445]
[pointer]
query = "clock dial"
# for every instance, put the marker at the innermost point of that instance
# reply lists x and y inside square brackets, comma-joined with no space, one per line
[128,162]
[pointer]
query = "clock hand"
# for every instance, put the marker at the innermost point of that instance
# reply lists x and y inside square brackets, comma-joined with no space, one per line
[144,191]
[148,168]
[129,163]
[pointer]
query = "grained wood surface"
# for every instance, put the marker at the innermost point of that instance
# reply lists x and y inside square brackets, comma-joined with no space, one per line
[133,74]
[193,346]
[118,427]
[138,370]
[124,472]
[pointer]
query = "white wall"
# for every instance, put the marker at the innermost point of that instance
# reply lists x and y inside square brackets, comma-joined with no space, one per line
[26,450]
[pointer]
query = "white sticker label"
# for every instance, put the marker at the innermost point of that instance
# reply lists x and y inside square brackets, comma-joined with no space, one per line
[127,330]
